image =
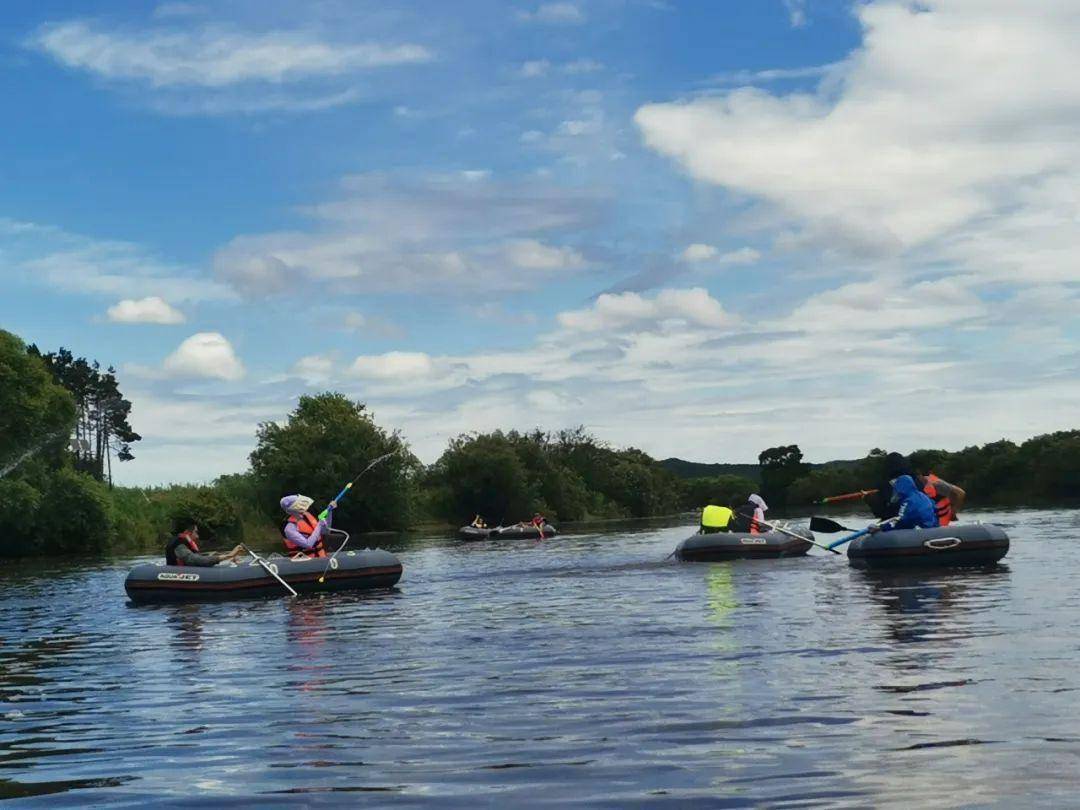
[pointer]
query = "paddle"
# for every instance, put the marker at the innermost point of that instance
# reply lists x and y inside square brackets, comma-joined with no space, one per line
[827,526]
[776,528]
[348,486]
[862,493]
[269,569]
[820,524]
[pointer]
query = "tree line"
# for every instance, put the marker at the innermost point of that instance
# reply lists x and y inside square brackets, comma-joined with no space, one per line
[63,420]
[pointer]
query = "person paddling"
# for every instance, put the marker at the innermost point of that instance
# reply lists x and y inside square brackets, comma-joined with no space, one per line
[915,510]
[301,531]
[748,516]
[715,519]
[183,549]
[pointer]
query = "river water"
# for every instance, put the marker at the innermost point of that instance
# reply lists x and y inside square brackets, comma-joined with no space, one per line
[583,670]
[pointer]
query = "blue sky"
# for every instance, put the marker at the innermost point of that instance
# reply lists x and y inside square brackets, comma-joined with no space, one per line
[701,228]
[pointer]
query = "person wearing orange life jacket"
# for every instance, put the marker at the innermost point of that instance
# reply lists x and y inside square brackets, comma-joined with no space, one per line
[183,549]
[301,531]
[948,498]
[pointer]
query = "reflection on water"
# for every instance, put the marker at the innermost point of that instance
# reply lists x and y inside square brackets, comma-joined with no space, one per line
[585,670]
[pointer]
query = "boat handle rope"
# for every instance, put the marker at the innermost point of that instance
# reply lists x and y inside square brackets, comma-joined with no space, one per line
[942,543]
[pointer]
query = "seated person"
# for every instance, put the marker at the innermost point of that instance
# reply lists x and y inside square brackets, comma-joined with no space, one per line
[715,519]
[948,498]
[301,531]
[915,510]
[183,549]
[748,515]
[478,523]
[881,500]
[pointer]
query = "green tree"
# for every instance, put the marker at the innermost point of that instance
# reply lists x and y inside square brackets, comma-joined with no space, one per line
[101,428]
[780,468]
[720,490]
[75,514]
[36,414]
[327,440]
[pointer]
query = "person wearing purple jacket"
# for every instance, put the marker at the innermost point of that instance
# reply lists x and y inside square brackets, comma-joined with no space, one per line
[302,531]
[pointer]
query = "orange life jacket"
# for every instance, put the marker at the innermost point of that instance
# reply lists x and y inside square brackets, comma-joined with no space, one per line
[942,502]
[306,523]
[184,538]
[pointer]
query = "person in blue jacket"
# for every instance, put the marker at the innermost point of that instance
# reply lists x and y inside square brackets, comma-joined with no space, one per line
[916,509]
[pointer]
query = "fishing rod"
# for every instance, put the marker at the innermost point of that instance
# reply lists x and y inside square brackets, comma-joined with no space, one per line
[348,486]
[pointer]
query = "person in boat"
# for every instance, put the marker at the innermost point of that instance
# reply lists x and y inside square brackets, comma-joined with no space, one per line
[183,549]
[716,519]
[301,531]
[882,503]
[948,498]
[915,510]
[478,523]
[748,515]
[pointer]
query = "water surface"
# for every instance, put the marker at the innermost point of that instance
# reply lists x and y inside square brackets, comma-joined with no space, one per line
[584,670]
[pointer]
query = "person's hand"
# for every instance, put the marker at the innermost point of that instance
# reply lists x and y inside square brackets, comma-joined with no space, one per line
[332,505]
[875,529]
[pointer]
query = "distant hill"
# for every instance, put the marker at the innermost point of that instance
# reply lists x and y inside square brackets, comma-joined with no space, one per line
[696,469]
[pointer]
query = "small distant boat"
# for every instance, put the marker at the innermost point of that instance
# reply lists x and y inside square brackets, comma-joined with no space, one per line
[743,546]
[349,570]
[506,532]
[962,544]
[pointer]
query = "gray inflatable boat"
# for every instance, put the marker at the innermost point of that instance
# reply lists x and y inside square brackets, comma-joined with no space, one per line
[505,532]
[350,570]
[740,546]
[959,544]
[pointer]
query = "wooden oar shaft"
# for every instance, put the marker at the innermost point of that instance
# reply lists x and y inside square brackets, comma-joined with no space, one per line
[850,496]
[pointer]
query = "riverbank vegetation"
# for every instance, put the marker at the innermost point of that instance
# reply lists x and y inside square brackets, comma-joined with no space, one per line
[63,421]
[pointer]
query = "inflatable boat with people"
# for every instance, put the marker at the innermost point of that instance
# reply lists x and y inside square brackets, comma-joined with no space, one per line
[349,570]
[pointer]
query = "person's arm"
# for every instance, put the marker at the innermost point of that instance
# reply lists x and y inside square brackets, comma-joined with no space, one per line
[902,521]
[189,557]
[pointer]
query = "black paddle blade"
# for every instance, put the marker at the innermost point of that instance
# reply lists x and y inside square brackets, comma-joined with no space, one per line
[827,526]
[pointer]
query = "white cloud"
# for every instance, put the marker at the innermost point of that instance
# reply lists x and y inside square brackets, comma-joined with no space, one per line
[455,233]
[698,252]
[71,263]
[529,254]
[535,68]
[314,368]
[205,354]
[373,324]
[613,312]
[397,366]
[554,14]
[576,128]
[920,133]
[152,309]
[796,10]
[212,56]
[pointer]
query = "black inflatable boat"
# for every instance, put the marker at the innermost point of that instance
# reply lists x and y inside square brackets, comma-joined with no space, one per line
[505,532]
[350,570]
[473,533]
[961,544]
[740,546]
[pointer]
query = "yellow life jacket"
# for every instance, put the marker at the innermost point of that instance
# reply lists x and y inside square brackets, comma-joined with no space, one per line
[716,519]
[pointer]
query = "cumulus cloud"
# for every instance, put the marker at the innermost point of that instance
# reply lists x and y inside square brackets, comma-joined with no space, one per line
[212,56]
[207,355]
[923,131]
[554,14]
[698,252]
[152,309]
